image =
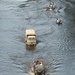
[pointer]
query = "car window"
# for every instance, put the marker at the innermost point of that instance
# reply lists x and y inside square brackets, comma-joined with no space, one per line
[31,38]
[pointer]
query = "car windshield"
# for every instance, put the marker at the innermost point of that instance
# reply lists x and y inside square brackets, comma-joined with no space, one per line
[31,38]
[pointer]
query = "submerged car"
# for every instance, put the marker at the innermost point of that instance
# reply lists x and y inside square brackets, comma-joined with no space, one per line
[59,21]
[52,6]
[30,37]
[38,68]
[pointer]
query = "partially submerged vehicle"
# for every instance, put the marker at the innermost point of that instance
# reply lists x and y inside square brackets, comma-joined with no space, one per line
[30,37]
[59,21]
[38,68]
[52,6]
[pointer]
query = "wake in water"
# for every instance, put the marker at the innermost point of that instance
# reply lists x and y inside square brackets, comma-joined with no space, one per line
[31,73]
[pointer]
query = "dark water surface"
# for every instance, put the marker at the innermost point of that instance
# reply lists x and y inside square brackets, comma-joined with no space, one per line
[56,43]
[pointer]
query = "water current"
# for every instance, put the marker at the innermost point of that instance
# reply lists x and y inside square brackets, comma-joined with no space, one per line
[55,43]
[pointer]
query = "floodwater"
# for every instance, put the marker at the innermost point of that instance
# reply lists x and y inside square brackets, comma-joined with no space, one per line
[56,43]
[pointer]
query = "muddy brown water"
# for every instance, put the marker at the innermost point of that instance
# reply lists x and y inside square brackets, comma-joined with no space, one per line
[55,43]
